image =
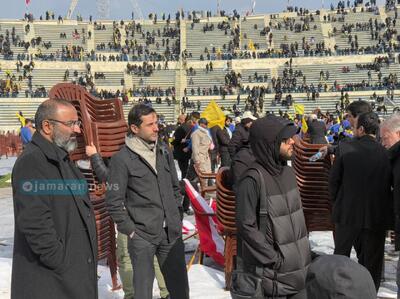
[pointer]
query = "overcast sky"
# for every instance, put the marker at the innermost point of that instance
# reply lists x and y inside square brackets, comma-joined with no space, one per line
[12,9]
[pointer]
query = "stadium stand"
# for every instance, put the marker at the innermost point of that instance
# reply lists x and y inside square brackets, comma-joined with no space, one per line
[243,62]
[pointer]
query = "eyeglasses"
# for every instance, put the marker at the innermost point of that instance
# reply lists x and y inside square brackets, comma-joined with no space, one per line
[70,123]
[287,140]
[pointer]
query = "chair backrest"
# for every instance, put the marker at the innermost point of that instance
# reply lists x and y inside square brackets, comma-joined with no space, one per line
[226,205]
[211,243]
[103,121]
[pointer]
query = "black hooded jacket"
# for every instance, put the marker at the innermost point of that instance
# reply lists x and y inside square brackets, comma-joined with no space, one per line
[284,250]
[337,276]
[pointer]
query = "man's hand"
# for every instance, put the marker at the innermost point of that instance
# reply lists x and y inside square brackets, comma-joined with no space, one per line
[90,150]
[324,151]
[185,150]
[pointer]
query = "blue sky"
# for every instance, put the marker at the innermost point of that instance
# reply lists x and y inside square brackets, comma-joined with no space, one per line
[123,8]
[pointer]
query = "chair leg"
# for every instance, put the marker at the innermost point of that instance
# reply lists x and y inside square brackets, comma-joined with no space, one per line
[228,252]
[112,260]
[192,258]
[201,257]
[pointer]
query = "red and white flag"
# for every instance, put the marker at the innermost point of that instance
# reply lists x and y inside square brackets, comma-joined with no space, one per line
[211,242]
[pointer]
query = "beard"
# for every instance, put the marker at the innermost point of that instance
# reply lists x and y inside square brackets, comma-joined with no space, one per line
[68,143]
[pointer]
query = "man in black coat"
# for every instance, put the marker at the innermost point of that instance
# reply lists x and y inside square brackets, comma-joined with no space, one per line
[223,137]
[390,138]
[55,244]
[317,130]
[146,206]
[239,147]
[360,183]
[180,142]
[281,248]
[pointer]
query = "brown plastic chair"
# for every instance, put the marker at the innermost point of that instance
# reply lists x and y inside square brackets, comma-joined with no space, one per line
[226,214]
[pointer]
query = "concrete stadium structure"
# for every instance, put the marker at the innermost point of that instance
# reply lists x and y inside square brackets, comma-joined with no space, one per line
[254,52]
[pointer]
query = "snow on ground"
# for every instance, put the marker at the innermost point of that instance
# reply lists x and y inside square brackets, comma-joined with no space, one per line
[206,281]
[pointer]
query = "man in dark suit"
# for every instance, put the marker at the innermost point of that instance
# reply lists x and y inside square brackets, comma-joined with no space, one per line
[317,130]
[223,138]
[55,244]
[360,185]
[146,206]
[181,137]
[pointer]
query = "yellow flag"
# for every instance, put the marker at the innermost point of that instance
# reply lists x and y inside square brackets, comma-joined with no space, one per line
[304,126]
[298,109]
[214,115]
[251,45]
[21,119]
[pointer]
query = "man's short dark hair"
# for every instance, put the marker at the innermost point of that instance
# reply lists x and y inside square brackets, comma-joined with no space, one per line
[358,107]
[195,116]
[48,110]
[369,121]
[228,118]
[136,113]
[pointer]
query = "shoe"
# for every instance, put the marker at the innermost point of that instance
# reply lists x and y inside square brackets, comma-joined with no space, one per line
[164,297]
[189,212]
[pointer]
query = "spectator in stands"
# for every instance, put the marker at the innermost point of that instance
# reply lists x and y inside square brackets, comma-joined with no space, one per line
[148,207]
[27,132]
[317,130]
[284,251]
[360,182]
[390,137]
[124,261]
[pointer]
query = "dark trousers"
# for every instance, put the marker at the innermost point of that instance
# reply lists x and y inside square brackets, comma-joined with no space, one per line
[225,159]
[192,178]
[369,245]
[171,257]
[183,166]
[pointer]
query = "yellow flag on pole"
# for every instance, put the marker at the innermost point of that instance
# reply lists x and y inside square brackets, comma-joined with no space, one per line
[298,109]
[214,115]
[304,126]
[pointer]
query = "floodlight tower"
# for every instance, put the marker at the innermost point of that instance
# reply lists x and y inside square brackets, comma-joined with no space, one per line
[71,9]
[136,10]
[103,9]
[253,6]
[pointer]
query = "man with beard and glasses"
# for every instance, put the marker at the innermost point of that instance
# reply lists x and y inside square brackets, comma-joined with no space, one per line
[280,248]
[55,243]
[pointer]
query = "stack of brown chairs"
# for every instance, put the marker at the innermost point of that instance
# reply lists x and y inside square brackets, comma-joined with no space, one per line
[103,124]
[10,144]
[226,215]
[312,180]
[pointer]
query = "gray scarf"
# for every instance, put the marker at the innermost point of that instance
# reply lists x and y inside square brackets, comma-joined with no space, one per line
[144,149]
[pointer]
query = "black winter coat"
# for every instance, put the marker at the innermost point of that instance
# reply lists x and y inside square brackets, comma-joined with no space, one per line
[395,161]
[55,244]
[149,198]
[317,131]
[240,138]
[360,184]
[223,140]
[182,132]
[284,251]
